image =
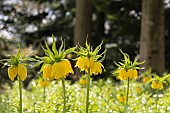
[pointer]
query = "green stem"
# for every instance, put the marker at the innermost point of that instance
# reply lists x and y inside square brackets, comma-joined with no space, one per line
[20,95]
[127,94]
[156,98]
[87,90]
[64,96]
[44,93]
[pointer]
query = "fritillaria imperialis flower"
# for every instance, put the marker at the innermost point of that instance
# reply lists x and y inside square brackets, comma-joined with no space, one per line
[157,85]
[130,73]
[57,70]
[84,63]
[16,66]
[127,69]
[21,70]
[55,65]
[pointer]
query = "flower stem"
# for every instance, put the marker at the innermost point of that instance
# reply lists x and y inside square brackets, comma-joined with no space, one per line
[20,95]
[44,93]
[64,96]
[127,94]
[156,98]
[87,90]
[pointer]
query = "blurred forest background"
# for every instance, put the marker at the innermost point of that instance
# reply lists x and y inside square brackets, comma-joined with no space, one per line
[138,27]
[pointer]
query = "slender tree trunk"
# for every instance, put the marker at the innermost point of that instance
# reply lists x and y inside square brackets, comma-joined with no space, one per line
[152,35]
[83,24]
[83,21]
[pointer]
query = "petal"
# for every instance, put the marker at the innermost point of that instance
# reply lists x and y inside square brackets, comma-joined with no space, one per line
[47,71]
[12,72]
[22,72]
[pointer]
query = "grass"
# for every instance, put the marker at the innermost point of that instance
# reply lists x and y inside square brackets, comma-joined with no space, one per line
[102,98]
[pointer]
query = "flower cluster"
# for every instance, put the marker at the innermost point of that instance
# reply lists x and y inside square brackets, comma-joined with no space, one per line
[89,59]
[157,82]
[157,85]
[16,66]
[84,63]
[127,69]
[125,74]
[21,70]
[55,66]
[57,70]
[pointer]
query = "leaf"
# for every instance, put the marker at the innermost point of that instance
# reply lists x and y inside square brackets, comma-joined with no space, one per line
[38,63]
[70,50]
[61,46]
[19,52]
[46,59]
[98,48]
[48,53]
[54,46]
[103,56]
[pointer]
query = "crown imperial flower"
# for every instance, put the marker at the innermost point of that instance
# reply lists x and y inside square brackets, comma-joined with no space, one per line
[88,59]
[55,66]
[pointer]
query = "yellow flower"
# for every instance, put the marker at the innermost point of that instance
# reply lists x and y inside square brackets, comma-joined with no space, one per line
[12,72]
[122,74]
[67,67]
[82,81]
[160,85]
[44,83]
[22,71]
[132,74]
[157,85]
[121,98]
[84,63]
[96,68]
[146,79]
[47,71]
[61,69]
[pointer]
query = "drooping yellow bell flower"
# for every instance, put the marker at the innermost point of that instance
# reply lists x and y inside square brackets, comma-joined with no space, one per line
[12,72]
[160,85]
[21,70]
[61,69]
[84,63]
[47,71]
[146,79]
[154,85]
[57,70]
[157,85]
[96,68]
[122,74]
[132,74]
[67,67]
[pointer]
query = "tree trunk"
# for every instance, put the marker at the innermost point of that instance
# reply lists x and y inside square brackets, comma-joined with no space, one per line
[83,21]
[152,35]
[83,25]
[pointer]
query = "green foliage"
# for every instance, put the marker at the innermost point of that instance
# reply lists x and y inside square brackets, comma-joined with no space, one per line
[102,98]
